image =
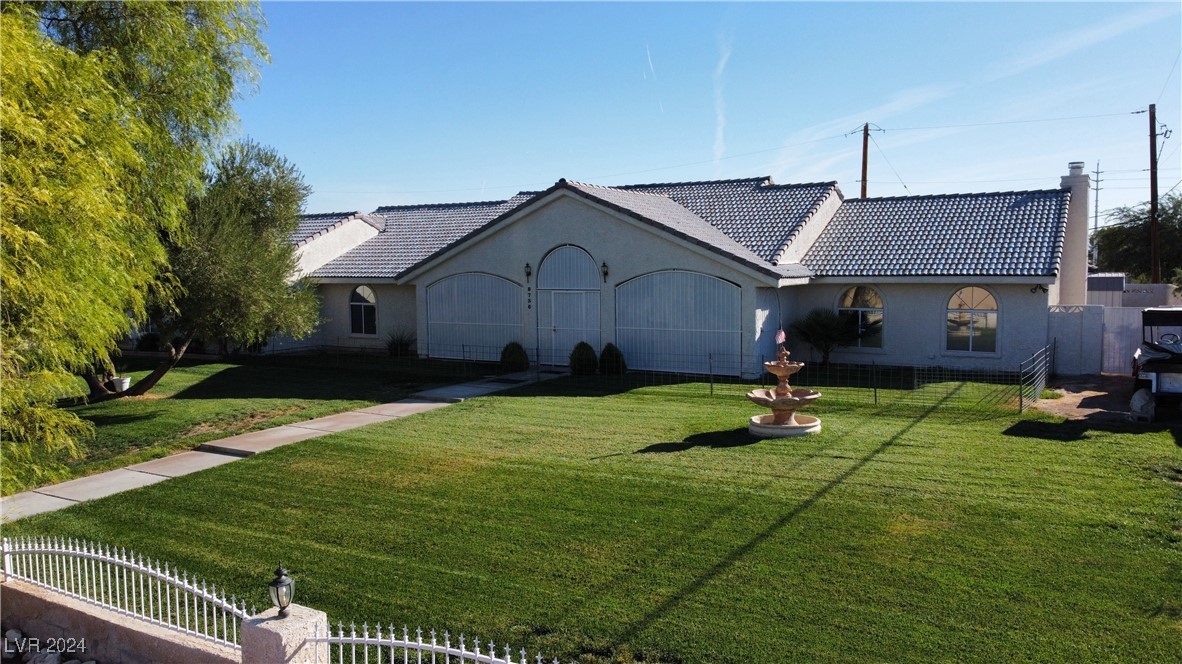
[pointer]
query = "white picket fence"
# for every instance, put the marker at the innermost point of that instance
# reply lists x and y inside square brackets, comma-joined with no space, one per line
[121,581]
[344,646]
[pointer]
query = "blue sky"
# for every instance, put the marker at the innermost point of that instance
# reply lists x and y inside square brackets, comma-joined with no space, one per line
[388,103]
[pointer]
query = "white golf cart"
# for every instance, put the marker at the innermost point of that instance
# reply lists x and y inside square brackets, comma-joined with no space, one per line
[1157,364]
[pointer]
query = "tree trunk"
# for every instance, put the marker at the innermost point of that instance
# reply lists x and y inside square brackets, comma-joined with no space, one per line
[148,382]
[99,392]
[98,386]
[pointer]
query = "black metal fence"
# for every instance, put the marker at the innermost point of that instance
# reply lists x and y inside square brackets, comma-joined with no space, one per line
[995,388]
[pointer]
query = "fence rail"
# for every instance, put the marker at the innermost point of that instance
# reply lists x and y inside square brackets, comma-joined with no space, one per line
[121,581]
[1033,374]
[343,648]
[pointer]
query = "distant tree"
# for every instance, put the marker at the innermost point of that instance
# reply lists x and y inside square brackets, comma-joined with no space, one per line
[827,330]
[1123,246]
[237,268]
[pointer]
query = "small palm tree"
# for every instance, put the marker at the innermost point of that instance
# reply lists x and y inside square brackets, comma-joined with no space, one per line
[827,330]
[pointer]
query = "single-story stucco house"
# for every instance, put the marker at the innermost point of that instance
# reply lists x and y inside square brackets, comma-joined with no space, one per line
[698,276]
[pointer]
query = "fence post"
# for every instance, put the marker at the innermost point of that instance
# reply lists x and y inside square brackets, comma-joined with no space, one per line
[1021,386]
[7,558]
[269,639]
[874,379]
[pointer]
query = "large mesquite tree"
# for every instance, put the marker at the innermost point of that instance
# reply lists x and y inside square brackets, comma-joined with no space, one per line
[109,110]
[237,268]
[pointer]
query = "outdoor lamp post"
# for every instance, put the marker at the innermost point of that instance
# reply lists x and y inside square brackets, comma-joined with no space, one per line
[282,588]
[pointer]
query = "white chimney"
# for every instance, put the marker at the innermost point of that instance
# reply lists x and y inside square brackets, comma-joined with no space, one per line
[1073,269]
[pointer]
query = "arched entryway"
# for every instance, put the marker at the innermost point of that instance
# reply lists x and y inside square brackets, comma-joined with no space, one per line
[568,303]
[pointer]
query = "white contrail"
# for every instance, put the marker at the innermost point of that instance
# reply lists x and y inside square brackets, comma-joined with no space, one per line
[724,48]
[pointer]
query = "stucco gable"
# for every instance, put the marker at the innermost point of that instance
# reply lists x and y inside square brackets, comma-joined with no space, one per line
[320,238]
[654,210]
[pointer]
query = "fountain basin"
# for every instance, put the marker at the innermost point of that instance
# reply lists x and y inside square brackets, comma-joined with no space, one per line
[798,398]
[762,426]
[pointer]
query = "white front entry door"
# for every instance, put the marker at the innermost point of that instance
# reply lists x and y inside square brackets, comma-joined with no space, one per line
[566,317]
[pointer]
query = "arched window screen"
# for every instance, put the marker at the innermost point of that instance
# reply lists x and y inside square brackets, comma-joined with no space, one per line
[472,316]
[363,311]
[863,305]
[569,268]
[972,321]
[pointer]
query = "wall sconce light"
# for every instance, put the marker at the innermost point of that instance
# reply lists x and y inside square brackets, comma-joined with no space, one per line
[282,589]
[603,268]
[1038,287]
[528,272]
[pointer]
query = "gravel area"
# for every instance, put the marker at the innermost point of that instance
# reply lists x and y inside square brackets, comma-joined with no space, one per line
[1090,397]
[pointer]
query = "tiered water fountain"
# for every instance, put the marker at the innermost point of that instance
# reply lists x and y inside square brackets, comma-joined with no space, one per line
[784,402]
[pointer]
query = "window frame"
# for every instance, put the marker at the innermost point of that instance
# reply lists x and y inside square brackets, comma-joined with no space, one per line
[369,305]
[949,311]
[861,312]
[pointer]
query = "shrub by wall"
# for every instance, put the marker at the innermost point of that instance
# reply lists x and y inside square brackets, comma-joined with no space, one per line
[611,361]
[583,361]
[514,357]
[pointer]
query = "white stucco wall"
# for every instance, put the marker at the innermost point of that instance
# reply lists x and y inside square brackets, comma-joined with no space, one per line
[914,324]
[1078,332]
[629,248]
[395,310]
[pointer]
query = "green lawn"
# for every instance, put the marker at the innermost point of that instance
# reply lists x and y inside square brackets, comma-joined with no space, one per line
[606,526]
[199,402]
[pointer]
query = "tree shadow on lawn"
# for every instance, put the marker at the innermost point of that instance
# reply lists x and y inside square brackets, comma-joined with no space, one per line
[738,553]
[287,382]
[713,439]
[1069,431]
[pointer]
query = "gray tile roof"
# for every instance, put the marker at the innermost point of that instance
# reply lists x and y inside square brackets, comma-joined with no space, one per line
[412,233]
[664,212]
[1016,233]
[310,224]
[762,216]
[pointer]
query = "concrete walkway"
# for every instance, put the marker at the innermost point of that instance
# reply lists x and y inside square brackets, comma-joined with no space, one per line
[218,452]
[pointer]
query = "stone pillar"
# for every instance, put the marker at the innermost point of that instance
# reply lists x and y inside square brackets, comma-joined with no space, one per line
[269,639]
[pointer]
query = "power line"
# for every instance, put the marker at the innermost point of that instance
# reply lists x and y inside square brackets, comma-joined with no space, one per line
[1168,76]
[1009,122]
[888,161]
[531,185]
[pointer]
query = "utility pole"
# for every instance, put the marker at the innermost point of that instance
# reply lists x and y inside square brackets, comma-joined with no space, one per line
[865,150]
[1154,261]
[1096,219]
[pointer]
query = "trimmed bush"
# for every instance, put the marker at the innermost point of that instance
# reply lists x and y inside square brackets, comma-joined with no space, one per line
[611,361]
[583,361]
[401,343]
[514,357]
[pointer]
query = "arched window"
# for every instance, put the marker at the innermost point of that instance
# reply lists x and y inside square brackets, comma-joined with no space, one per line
[972,320]
[863,304]
[363,311]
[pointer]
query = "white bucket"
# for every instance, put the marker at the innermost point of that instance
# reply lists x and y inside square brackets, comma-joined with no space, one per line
[121,383]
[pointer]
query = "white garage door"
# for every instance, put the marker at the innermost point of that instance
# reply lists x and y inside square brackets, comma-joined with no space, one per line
[680,321]
[472,316]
